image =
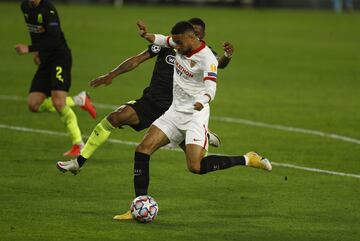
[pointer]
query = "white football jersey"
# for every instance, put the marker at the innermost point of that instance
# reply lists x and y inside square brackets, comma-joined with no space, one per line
[190,73]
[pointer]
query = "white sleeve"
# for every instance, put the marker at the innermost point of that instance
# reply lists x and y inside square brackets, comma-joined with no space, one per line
[164,41]
[210,77]
[210,89]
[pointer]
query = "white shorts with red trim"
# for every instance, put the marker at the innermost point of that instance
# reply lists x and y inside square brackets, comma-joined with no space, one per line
[179,126]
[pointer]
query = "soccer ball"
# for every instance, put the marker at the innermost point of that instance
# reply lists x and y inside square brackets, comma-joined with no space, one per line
[144,209]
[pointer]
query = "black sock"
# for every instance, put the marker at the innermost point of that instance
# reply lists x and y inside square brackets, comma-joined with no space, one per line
[213,163]
[81,160]
[141,173]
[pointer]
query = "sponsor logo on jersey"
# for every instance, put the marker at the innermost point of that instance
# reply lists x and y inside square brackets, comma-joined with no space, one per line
[212,74]
[180,70]
[213,67]
[155,49]
[52,11]
[170,59]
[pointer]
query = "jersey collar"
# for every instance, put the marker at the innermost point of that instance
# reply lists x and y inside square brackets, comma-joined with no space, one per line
[203,45]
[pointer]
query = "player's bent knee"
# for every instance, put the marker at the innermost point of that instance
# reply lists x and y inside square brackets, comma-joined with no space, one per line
[58,104]
[112,119]
[122,116]
[194,170]
[115,119]
[145,148]
[33,107]
[194,167]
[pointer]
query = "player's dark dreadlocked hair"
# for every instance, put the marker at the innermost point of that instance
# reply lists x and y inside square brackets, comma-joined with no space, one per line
[182,27]
[197,21]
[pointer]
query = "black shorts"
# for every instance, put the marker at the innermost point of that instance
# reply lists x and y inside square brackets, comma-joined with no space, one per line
[54,73]
[147,112]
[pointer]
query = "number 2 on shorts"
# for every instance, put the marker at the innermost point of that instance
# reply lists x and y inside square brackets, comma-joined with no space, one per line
[58,73]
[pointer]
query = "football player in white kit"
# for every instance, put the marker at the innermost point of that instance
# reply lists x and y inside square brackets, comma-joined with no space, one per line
[194,87]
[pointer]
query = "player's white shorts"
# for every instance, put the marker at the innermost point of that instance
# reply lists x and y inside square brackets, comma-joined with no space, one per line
[178,126]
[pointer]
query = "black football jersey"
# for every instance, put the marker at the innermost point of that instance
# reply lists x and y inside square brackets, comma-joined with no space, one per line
[44,26]
[161,85]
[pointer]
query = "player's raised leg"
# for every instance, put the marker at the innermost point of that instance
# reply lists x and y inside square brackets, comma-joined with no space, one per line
[82,100]
[253,159]
[202,165]
[124,115]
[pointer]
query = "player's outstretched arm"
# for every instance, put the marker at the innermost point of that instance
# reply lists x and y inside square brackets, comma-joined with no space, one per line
[157,39]
[143,32]
[126,66]
[228,52]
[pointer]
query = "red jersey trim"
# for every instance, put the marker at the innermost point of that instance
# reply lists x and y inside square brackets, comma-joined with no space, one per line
[203,45]
[168,41]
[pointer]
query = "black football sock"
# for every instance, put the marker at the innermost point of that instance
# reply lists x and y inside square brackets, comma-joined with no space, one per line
[81,160]
[141,173]
[213,163]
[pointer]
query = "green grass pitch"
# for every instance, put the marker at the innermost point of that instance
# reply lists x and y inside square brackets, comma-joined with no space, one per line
[291,68]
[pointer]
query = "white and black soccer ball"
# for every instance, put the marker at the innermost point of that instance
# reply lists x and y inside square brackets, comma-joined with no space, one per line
[144,209]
